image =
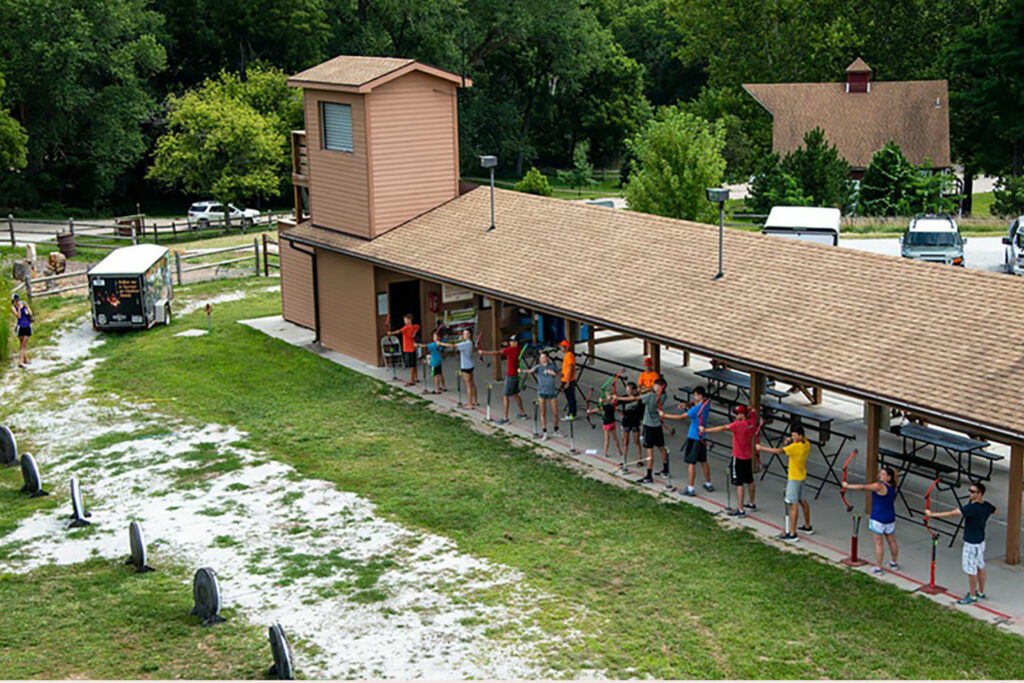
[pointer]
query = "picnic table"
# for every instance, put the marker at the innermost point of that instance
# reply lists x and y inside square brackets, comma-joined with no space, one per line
[960,453]
[830,443]
[721,380]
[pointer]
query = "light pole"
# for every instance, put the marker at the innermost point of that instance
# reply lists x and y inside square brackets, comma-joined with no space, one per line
[719,194]
[489,161]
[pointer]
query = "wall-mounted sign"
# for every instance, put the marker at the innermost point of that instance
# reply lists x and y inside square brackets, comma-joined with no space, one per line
[451,294]
[382,304]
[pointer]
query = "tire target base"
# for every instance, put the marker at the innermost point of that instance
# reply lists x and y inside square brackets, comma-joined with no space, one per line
[8,448]
[138,549]
[30,475]
[78,512]
[206,593]
[281,649]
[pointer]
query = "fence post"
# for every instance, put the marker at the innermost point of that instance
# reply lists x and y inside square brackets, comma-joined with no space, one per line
[71,225]
[174,231]
[28,286]
[266,262]
[10,227]
[134,235]
[256,252]
[177,265]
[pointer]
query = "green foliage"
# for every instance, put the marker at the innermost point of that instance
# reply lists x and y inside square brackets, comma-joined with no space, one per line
[934,192]
[748,128]
[1008,197]
[13,140]
[679,156]
[534,182]
[228,138]
[6,323]
[772,186]
[812,175]
[582,173]
[887,188]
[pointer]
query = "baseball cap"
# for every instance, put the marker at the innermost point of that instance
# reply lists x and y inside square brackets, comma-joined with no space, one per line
[564,343]
[648,361]
[741,410]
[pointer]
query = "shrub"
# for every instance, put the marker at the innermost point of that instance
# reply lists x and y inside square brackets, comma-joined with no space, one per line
[1008,197]
[887,188]
[811,175]
[534,182]
[6,328]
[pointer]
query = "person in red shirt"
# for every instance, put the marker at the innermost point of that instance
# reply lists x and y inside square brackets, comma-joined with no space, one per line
[511,355]
[741,471]
[408,332]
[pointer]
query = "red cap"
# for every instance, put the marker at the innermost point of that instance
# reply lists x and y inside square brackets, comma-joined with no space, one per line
[564,343]
[648,361]
[741,410]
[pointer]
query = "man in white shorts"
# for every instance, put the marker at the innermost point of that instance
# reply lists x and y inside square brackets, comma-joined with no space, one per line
[975,514]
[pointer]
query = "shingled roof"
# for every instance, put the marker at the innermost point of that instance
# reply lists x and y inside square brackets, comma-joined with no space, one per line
[361,74]
[936,339]
[915,114]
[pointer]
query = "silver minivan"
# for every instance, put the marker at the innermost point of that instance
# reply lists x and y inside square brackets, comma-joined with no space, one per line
[933,237]
[1014,243]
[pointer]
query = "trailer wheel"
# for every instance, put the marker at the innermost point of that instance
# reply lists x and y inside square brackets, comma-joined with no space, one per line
[167,314]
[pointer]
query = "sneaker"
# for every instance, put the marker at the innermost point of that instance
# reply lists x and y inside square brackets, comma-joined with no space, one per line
[981,596]
[646,479]
[523,416]
[736,513]
[544,437]
[967,600]
[663,472]
[787,537]
[893,566]
[502,421]
[568,418]
[877,570]
[750,506]
[688,491]
[708,486]
[806,529]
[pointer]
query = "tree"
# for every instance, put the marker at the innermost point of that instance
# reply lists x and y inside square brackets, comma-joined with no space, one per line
[582,173]
[678,155]
[227,139]
[77,73]
[1008,197]
[888,184]
[13,140]
[772,186]
[534,182]
[819,171]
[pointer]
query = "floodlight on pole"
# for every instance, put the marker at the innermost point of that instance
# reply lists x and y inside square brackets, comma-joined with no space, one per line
[720,195]
[490,161]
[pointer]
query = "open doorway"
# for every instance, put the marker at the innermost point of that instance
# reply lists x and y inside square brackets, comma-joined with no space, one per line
[404,297]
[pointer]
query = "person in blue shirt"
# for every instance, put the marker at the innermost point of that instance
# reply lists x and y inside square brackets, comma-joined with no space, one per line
[23,323]
[882,523]
[975,514]
[436,364]
[695,451]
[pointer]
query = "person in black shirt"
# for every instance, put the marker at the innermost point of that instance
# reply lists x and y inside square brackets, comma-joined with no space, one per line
[975,514]
[632,413]
[607,411]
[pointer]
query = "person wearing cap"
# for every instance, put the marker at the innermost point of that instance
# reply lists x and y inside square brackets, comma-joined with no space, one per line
[741,471]
[569,379]
[23,326]
[648,377]
[511,354]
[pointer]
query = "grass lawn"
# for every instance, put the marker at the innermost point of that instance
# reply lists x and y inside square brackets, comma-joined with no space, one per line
[661,590]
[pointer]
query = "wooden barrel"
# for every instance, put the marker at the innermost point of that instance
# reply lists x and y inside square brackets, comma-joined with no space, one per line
[66,244]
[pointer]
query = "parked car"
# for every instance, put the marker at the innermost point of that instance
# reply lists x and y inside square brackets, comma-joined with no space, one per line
[806,223]
[204,213]
[933,237]
[1014,242]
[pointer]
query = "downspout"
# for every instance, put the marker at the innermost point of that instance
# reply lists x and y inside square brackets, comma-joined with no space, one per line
[316,292]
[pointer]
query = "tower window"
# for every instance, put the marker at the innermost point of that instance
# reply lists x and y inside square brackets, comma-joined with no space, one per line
[337,126]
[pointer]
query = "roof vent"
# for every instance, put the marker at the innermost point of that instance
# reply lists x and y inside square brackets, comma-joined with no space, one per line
[938,103]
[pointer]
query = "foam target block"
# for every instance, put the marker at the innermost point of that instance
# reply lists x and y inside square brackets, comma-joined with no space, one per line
[78,513]
[30,475]
[206,592]
[281,650]
[8,448]
[137,543]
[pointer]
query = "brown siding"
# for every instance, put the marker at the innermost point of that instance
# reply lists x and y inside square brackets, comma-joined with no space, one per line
[347,306]
[415,153]
[296,285]
[339,197]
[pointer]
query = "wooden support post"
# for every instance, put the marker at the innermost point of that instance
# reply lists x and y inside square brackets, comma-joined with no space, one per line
[591,346]
[177,265]
[1013,503]
[655,353]
[874,411]
[756,391]
[686,358]
[256,254]
[496,337]
[816,396]
[266,261]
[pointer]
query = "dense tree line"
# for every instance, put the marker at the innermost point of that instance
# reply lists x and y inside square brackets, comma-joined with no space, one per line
[87,87]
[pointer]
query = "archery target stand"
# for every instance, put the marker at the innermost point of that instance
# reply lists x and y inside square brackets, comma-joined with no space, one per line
[281,650]
[138,549]
[30,475]
[8,448]
[78,512]
[206,592]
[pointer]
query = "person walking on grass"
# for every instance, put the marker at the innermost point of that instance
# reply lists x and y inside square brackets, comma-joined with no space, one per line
[607,411]
[882,522]
[23,327]
[975,514]
[466,365]
[796,449]
[408,332]
[436,360]
[632,415]
[695,451]
[741,470]
[547,391]
[569,379]
[653,432]
[511,355]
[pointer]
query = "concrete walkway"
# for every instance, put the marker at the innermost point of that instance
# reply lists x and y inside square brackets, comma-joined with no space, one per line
[832,524]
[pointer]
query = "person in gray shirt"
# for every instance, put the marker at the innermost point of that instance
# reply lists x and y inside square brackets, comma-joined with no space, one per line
[653,433]
[547,391]
[465,347]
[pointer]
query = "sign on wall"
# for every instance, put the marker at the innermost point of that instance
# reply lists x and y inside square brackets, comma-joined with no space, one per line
[451,294]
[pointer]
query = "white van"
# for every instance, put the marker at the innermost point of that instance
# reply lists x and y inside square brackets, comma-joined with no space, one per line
[807,223]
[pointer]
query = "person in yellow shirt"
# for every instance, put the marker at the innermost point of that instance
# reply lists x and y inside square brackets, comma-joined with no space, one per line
[797,449]
[569,379]
[648,377]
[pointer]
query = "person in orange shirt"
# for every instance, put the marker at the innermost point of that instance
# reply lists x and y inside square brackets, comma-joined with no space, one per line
[569,379]
[408,332]
[648,377]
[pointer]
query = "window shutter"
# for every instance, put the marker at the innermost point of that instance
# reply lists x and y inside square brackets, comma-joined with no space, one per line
[337,122]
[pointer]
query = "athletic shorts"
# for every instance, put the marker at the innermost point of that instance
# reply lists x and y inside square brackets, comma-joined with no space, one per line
[467,372]
[608,427]
[881,528]
[548,397]
[437,371]
[741,472]
[409,358]
[973,557]
[630,428]
[794,491]
[653,437]
[24,331]
[695,452]
[512,386]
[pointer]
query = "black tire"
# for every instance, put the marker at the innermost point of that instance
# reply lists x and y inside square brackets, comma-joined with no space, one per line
[167,314]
